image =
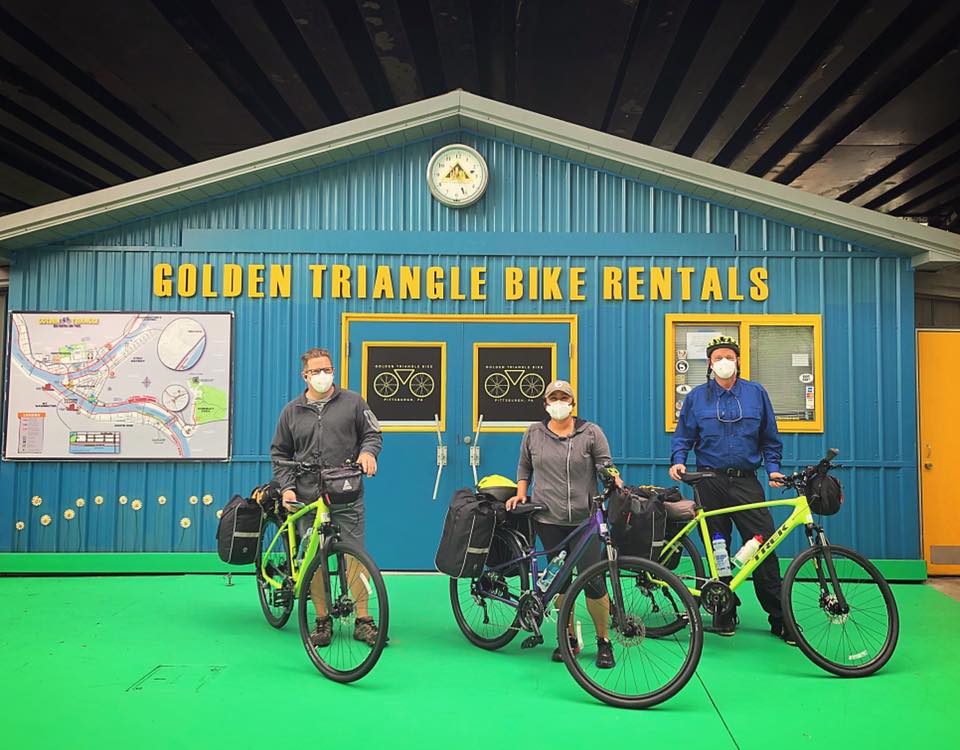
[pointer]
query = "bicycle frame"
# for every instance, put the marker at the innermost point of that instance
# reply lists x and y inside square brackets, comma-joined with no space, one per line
[801,516]
[316,539]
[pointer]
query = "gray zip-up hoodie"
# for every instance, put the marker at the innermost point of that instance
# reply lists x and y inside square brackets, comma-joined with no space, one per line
[564,469]
[330,433]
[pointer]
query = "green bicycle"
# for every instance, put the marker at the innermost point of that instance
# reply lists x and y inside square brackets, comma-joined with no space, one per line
[344,585]
[837,604]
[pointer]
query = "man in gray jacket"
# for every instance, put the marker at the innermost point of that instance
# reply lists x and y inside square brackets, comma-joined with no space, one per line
[327,425]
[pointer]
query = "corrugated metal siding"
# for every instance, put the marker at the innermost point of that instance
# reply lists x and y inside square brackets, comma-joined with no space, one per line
[866,300]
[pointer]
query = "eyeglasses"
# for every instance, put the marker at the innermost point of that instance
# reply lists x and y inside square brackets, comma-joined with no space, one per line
[311,373]
[722,416]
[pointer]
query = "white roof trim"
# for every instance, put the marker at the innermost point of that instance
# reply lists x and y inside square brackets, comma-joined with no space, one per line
[462,109]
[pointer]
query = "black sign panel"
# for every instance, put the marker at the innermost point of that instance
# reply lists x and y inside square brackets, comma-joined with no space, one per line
[509,382]
[403,383]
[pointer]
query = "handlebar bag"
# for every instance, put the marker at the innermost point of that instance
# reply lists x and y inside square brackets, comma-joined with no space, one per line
[342,485]
[825,494]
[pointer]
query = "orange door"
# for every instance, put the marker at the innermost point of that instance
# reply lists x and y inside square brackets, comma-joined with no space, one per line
[938,353]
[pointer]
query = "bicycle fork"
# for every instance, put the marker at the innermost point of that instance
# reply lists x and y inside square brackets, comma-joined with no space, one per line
[817,538]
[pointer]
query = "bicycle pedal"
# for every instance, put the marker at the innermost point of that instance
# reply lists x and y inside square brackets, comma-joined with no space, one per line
[532,641]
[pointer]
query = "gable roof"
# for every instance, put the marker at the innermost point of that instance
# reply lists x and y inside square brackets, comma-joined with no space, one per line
[461,110]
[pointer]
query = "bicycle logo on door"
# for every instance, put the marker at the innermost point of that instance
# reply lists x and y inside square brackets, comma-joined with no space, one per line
[501,383]
[417,383]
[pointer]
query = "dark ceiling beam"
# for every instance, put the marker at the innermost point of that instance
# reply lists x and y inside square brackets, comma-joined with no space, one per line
[893,37]
[392,48]
[43,166]
[453,25]
[915,181]
[914,205]
[692,34]
[278,22]
[29,87]
[629,50]
[495,33]
[418,27]
[42,126]
[9,204]
[89,86]
[353,31]
[764,26]
[208,34]
[42,154]
[929,54]
[903,161]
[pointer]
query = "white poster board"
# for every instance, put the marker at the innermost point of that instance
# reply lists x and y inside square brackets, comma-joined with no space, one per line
[108,386]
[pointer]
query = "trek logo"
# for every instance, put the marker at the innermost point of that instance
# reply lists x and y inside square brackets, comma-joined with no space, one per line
[770,543]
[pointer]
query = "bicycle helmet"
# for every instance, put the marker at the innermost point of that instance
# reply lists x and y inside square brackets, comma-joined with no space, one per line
[497,487]
[723,342]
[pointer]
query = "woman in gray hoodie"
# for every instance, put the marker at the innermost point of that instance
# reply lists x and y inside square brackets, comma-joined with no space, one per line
[561,454]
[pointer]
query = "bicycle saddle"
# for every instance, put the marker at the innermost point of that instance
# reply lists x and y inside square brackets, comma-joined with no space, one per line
[692,477]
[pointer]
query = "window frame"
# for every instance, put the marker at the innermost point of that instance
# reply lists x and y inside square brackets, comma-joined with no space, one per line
[744,322]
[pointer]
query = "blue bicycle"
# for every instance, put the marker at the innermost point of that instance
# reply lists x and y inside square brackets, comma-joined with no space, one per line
[646,612]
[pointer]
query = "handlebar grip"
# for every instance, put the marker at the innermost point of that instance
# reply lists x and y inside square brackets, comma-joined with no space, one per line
[831,454]
[284,462]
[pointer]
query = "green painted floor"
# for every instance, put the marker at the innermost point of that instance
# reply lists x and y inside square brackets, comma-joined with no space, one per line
[185,661]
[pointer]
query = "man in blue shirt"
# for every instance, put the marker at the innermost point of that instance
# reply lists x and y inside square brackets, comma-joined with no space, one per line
[730,424]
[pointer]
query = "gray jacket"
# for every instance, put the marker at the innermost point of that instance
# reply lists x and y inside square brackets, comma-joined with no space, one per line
[564,469]
[341,430]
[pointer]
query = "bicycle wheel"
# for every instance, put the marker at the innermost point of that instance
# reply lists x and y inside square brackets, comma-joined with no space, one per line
[854,643]
[359,616]
[277,604]
[488,622]
[648,670]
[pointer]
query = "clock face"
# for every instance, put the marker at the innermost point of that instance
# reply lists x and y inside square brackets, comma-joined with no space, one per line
[457,175]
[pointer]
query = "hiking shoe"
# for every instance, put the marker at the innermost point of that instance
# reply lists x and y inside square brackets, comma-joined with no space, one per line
[365,629]
[574,648]
[322,632]
[605,658]
[782,632]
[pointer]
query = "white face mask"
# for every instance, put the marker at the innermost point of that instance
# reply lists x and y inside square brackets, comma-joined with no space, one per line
[559,410]
[321,382]
[724,368]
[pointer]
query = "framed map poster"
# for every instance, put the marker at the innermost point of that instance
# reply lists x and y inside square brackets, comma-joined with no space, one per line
[119,386]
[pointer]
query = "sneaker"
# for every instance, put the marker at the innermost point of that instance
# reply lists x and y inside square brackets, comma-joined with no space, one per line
[322,632]
[725,626]
[574,647]
[605,658]
[365,629]
[782,632]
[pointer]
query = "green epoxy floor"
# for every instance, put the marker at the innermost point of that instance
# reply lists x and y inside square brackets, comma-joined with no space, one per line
[185,661]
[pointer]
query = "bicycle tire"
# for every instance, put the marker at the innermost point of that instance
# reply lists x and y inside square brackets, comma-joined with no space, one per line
[649,571]
[276,616]
[460,589]
[809,636]
[337,549]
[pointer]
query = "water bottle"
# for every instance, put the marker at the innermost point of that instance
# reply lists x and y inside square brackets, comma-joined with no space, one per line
[747,551]
[546,578]
[304,543]
[720,556]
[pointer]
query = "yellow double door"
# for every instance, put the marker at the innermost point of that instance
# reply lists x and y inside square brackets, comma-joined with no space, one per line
[939,368]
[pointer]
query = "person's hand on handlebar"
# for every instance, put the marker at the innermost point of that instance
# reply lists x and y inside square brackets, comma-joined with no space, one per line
[368,464]
[676,471]
[775,477]
[514,501]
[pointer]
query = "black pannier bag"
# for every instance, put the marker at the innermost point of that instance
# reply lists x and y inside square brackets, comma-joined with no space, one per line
[342,485]
[825,494]
[500,551]
[637,522]
[467,534]
[239,531]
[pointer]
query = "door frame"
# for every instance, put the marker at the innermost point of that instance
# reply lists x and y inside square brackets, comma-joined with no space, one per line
[923,542]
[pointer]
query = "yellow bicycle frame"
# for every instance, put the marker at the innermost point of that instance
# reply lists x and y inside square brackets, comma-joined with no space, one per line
[801,516]
[289,526]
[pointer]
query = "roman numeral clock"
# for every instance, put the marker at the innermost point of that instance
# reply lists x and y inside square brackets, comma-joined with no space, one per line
[457,175]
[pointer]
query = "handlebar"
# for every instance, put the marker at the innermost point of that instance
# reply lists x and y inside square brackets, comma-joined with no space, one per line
[799,479]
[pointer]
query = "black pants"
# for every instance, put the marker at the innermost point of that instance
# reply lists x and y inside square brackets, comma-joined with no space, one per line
[729,492]
[551,535]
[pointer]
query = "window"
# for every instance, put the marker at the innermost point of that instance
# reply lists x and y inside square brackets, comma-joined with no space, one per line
[781,352]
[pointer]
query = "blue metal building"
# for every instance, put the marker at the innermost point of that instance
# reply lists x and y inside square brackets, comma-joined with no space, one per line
[623,258]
